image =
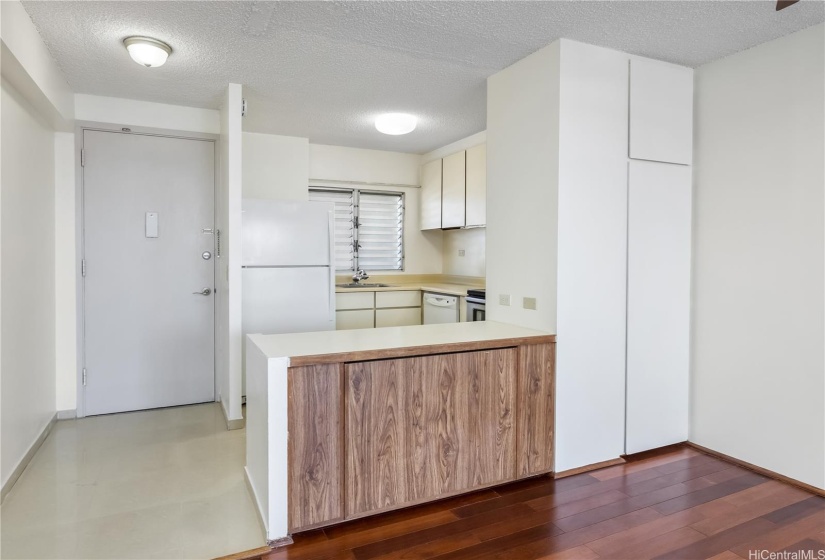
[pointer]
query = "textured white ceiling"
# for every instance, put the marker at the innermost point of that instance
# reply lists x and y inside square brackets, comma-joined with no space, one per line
[323,70]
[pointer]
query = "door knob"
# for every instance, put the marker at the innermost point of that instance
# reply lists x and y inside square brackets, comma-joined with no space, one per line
[204,292]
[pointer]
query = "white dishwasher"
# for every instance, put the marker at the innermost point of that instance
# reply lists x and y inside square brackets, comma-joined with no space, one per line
[440,308]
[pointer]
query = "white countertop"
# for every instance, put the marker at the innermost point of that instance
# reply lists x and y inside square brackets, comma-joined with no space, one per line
[387,338]
[438,287]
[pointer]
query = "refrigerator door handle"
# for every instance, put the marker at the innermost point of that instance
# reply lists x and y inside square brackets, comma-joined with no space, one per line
[331,215]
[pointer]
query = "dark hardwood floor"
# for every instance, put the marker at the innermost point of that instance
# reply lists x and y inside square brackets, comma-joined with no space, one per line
[676,504]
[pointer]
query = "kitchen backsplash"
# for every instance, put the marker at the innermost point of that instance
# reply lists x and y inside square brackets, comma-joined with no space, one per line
[473,243]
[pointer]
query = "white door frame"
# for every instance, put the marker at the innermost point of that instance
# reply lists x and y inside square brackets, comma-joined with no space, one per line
[80,304]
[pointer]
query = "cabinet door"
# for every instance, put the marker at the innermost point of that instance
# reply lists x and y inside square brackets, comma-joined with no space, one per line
[431,195]
[315,445]
[661,112]
[406,298]
[354,319]
[354,300]
[476,184]
[398,317]
[454,192]
[536,409]
[418,428]
[658,304]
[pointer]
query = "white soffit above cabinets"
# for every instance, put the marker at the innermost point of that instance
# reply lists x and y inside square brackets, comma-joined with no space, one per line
[324,70]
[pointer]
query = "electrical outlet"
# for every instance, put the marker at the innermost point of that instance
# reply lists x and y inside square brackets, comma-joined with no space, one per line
[504,299]
[529,303]
[461,252]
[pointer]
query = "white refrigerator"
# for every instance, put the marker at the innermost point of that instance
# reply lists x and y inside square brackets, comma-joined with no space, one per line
[288,268]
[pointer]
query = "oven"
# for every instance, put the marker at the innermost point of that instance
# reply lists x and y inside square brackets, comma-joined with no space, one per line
[476,303]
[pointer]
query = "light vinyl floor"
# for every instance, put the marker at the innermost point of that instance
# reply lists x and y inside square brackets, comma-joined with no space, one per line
[166,483]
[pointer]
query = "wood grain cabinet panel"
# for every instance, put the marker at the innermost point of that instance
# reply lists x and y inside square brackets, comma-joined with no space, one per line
[375,462]
[536,382]
[420,428]
[315,446]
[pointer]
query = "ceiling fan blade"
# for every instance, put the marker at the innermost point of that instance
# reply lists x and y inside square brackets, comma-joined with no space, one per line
[782,4]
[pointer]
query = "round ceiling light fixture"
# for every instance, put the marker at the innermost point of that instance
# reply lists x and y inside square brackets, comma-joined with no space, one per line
[395,123]
[147,51]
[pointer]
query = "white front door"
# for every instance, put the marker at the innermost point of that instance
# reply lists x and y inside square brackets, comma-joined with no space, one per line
[149,332]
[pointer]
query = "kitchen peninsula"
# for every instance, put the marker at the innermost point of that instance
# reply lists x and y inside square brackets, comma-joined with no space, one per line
[345,424]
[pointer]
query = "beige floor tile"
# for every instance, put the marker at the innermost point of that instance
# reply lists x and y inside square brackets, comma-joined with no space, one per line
[155,484]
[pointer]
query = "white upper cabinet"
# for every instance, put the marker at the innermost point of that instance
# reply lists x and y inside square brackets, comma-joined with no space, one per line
[476,181]
[453,191]
[661,112]
[431,195]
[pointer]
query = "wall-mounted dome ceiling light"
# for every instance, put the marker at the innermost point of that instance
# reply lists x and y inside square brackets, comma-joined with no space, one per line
[395,123]
[147,51]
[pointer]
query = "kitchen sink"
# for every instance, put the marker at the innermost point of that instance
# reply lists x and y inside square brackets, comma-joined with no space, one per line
[362,285]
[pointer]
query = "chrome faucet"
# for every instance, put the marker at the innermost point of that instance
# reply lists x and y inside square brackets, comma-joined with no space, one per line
[359,275]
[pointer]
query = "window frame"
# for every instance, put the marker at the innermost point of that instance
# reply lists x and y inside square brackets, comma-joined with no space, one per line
[356,199]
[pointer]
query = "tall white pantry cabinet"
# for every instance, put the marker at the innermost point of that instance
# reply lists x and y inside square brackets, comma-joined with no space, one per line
[600,203]
[625,150]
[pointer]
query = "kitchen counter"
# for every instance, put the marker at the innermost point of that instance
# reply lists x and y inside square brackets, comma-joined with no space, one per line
[316,403]
[302,349]
[438,287]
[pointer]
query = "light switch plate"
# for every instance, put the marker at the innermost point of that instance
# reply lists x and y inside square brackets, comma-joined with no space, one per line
[529,303]
[151,224]
[504,299]
[461,252]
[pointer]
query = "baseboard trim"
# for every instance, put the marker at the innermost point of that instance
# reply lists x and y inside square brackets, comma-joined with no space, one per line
[67,414]
[24,462]
[763,471]
[285,541]
[236,424]
[258,510]
[254,554]
[588,468]
[655,452]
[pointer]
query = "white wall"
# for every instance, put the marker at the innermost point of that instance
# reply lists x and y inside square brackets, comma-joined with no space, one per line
[338,163]
[592,252]
[29,67]
[757,380]
[65,262]
[275,166]
[457,146]
[130,112]
[474,244]
[27,277]
[386,171]
[229,336]
[522,189]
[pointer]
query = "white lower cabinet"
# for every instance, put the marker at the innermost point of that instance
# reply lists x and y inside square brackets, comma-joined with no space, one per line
[354,310]
[355,300]
[366,310]
[405,298]
[354,319]
[398,317]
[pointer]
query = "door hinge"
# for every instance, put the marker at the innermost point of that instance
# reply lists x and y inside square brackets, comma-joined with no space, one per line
[84,377]
[83,268]
[82,157]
